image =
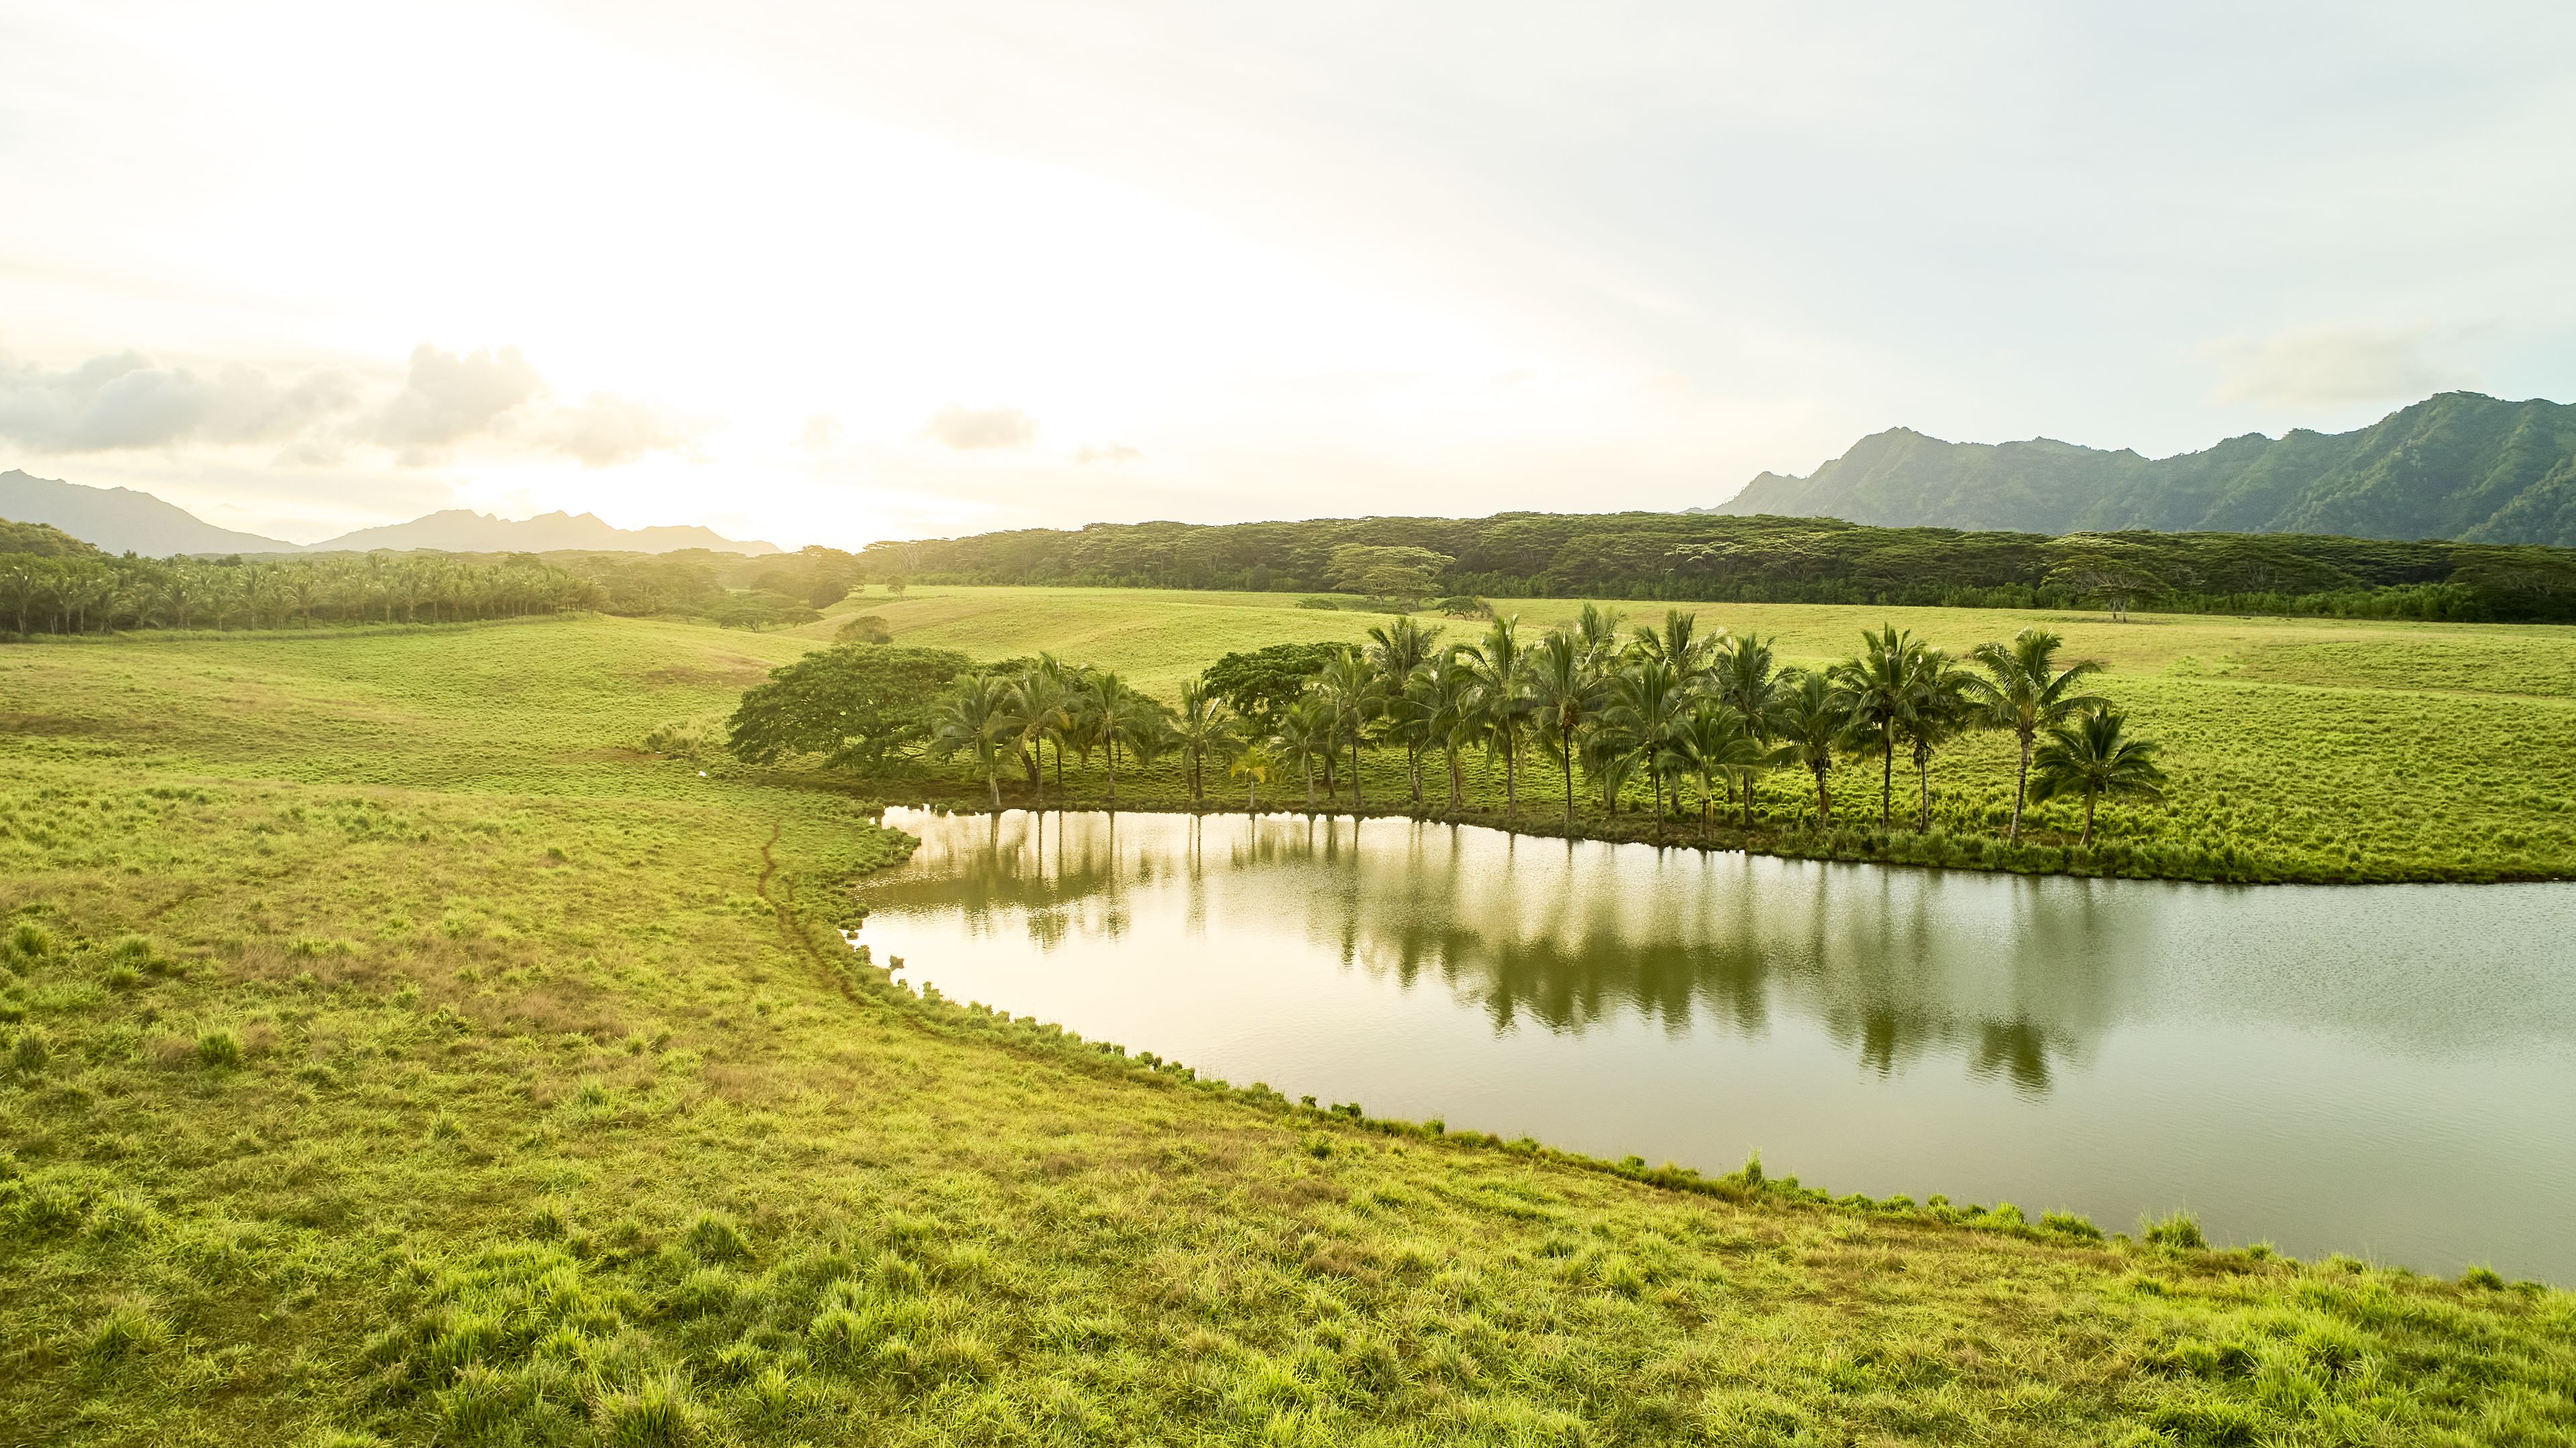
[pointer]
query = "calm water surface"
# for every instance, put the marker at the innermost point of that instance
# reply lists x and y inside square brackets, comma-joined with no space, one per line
[2388,1071]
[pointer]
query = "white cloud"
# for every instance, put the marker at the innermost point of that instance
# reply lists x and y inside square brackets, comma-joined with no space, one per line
[605,430]
[450,397]
[1108,452]
[2329,364]
[969,429]
[125,401]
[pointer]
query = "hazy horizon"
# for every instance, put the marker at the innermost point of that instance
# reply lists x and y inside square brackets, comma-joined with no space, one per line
[814,274]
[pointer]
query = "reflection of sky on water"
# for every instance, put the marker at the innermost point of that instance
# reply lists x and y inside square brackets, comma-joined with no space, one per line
[2378,1070]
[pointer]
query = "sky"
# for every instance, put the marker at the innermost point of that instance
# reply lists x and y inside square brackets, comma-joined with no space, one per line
[826,273]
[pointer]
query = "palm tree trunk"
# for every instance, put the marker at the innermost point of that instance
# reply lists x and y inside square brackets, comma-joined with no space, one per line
[2087,841]
[1511,777]
[1748,801]
[2021,791]
[1356,801]
[1113,774]
[1824,804]
[1923,779]
[1886,780]
[1310,782]
[1565,761]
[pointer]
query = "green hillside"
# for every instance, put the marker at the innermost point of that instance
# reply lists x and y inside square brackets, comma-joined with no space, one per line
[2459,466]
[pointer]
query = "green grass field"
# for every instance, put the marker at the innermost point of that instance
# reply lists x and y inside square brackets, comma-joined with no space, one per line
[391,1053]
[2300,749]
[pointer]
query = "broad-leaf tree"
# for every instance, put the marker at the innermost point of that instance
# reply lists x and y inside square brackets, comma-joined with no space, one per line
[854,707]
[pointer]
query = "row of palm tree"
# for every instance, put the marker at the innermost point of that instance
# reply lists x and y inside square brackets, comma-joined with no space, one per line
[44,594]
[1685,712]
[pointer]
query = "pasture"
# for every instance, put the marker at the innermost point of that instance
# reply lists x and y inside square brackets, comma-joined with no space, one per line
[394,1053]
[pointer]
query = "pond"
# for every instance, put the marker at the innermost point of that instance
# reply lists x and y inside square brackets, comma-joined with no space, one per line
[2387,1071]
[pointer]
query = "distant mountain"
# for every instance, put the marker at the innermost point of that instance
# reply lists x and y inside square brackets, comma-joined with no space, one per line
[122,520]
[2457,465]
[459,530]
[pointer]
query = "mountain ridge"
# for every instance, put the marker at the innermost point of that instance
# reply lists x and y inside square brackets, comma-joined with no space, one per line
[2457,465]
[126,520]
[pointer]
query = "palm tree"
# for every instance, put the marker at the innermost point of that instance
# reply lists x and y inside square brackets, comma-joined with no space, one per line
[1305,733]
[975,719]
[1398,649]
[1254,766]
[2095,758]
[1649,706]
[1596,631]
[1877,681]
[1745,677]
[1498,664]
[1041,712]
[1940,705]
[1118,714]
[1444,700]
[1205,727]
[1812,721]
[1561,693]
[1352,686]
[1715,743]
[2024,691]
[1677,643]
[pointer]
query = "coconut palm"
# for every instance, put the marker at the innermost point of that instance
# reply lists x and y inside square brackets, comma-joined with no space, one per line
[1677,643]
[2095,757]
[1877,683]
[1254,765]
[1041,712]
[975,718]
[1305,735]
[1119,715]
[1397,649]
[1596,631]
[2024,691]
[1205,727]
[1561,695]
[1353,689]
[1499,664]
[1444,711]
[1648,705]
[1940,706]
[1715,744]
[1812,721]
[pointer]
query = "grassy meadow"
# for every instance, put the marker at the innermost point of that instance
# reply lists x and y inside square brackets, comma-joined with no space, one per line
[2299,749]
[392,1053]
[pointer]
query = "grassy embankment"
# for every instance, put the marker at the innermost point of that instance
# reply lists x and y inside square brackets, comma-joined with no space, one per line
[2300,749]
[391,1056]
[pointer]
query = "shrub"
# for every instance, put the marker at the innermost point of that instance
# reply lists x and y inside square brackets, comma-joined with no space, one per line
[2482,1277]
[30,1053]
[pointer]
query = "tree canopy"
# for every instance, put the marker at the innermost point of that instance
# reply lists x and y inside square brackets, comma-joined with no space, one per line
[853,706]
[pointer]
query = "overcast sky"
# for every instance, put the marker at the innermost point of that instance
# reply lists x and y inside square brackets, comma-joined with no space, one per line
[833,272]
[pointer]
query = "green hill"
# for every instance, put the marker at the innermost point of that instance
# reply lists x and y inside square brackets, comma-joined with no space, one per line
[2458,465]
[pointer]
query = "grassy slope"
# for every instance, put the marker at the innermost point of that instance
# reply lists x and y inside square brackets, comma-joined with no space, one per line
[2316,749]
[466,1082]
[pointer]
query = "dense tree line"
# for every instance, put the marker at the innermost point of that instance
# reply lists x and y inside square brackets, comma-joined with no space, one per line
[1697,721]
[53,583]
[1701,557]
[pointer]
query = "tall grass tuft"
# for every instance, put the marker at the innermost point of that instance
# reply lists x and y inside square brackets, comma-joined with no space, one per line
[129,1326]
[2177,1230]
[656,1413]
[715,1237]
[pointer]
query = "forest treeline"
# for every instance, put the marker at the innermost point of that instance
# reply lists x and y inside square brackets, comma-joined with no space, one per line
[1704,558]
[51,583]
